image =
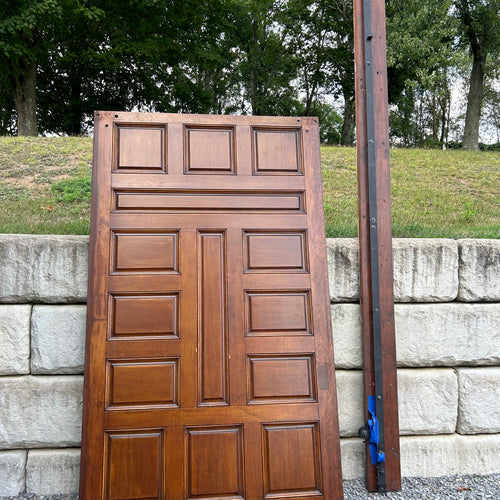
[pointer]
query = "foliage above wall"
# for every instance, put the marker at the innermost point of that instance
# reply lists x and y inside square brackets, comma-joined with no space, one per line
[62,59]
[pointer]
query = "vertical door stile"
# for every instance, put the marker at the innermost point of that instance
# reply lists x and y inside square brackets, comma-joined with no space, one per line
[235,318]
[97,304]
[322,323]
[189,319]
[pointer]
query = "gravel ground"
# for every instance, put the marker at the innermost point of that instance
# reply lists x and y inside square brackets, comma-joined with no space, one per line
[441,488]
[416,488]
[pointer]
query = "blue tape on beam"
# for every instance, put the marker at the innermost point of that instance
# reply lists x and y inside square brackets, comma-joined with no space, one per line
[376,457]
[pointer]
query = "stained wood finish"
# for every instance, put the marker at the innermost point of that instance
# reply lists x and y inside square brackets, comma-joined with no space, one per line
[209,364]
[379,68]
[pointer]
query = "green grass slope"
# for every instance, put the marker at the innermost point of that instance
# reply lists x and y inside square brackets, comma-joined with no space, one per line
[45,189]
[435,193]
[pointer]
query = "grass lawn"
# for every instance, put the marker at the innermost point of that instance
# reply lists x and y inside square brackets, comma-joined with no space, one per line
[45,189]
[435,193]
[45,185]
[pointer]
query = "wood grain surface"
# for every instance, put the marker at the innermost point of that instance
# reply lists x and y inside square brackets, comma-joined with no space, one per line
[209,364]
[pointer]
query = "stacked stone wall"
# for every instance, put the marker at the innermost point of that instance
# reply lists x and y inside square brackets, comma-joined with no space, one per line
[447,315]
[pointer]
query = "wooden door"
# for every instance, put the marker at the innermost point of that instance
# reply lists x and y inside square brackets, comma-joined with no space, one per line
[209,363]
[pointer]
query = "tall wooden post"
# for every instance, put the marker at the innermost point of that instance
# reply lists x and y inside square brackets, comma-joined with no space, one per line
[375,237]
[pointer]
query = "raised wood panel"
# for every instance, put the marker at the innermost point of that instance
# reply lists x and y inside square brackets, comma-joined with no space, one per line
[292,460]
[143,383]
[281,379]
[145,252]
[277,151]
[278,313]
[213,350]
[144,316]
[215,461]
[135,465]
[209,150]
[173,201]
[140,148]
[277,252]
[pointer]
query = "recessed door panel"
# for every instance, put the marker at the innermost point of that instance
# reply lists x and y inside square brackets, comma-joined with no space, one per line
[212,299]
[281,379]
[278,313]
[134,468]
[277,151]
[279,252]
[159,383]
[144,315]
[291,460]
[140,148]
[214,462]
[145,252]
[209,150]
[192,201]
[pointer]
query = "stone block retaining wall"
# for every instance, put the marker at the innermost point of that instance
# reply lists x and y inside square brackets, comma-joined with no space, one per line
[447,312]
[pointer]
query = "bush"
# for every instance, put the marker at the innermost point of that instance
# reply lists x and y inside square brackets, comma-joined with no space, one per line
[454,145]
[489,147]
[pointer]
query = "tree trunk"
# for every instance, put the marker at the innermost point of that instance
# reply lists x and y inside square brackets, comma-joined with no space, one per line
[474,103]
[25,98]
[75,106]
[252,57]
[445,104]
[346,136]
[434,118]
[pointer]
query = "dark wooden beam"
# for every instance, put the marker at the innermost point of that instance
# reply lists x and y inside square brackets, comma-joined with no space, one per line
[375,238]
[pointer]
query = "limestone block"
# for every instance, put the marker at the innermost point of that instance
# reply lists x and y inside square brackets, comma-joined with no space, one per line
[12,472]
[38,412]
[350,401]
[346,328]
[58,339]
[479,400]
[43,268]
[425,270]
[479,271]
[53,471]
[428,400]
[426,334]
[434,456]
[447,334]
[14,339]
[352,451]
[343,269]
